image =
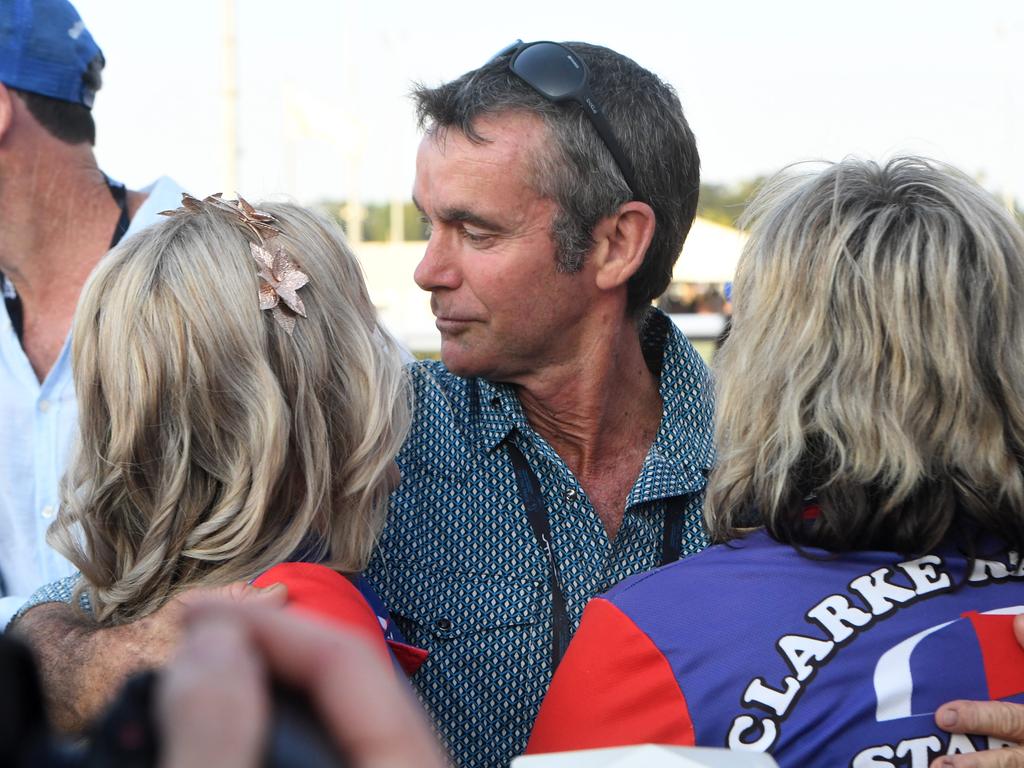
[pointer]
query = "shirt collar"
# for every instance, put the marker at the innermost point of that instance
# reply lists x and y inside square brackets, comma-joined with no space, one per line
[500,412]
[682,453]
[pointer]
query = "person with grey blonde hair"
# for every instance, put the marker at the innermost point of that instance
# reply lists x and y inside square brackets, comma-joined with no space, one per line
[215,441]
[240,410]
[868,494]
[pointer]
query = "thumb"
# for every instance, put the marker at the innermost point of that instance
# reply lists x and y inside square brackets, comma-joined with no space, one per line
[1018,628]
[276,595]
[273,596]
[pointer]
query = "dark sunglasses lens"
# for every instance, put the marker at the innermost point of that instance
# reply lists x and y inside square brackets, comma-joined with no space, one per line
[550,68]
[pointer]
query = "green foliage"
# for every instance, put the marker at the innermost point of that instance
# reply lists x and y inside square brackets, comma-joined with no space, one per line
[377,220]
[725,203]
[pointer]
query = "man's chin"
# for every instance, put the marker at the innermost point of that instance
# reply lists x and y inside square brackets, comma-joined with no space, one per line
[462,362]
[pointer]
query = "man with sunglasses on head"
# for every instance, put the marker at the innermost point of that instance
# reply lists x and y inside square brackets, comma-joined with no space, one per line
[562,442]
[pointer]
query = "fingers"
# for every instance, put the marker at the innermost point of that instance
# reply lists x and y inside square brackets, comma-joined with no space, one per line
[274,596]
[1012,757]
[1018,628]
[211,701]
[999,719]
[371,715]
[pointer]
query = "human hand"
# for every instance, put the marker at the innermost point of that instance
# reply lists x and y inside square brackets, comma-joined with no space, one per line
[156,636]
[82,665]
[212,703]
[999,720]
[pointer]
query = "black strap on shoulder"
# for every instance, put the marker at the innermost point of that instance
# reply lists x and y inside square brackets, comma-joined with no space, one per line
[529,490]
[120,195]
[672,537]
[14,312]
[536,513]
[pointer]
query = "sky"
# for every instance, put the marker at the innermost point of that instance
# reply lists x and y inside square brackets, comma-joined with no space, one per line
[322,85]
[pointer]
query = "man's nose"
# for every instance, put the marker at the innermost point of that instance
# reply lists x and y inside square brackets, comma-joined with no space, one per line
[439,266]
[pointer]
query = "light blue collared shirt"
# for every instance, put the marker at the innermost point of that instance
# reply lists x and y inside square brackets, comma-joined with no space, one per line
[39,423]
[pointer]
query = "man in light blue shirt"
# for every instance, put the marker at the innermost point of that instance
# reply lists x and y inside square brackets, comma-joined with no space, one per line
[59,214]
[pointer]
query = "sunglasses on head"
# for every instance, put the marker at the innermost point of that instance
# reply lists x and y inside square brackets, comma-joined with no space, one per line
[558,74]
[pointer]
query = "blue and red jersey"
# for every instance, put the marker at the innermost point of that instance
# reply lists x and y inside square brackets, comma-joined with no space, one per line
[819,660]
[325,594]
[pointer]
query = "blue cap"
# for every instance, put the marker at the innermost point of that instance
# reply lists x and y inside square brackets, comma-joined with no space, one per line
[46,49]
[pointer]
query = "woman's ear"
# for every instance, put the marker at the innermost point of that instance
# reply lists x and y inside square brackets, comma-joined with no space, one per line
[621,242]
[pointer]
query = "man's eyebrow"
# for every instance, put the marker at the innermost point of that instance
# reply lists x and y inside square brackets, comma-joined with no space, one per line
[468,217]
[464,216]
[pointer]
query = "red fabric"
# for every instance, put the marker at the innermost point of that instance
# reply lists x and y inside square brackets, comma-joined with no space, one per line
[1001,653]
[613,688]
[408,656]
[316,590]
[812,512]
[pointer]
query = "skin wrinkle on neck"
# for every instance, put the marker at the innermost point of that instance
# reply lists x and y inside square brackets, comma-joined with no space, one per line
[601,414]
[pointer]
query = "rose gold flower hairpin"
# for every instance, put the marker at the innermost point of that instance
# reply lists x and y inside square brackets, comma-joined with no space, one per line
[281,277]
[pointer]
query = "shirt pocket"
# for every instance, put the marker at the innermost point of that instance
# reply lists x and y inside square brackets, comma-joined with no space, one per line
[436,608]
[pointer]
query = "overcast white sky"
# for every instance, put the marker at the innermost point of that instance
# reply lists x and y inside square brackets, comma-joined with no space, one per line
[323,83]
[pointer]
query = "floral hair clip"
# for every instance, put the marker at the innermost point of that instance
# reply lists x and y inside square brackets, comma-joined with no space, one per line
[281,277]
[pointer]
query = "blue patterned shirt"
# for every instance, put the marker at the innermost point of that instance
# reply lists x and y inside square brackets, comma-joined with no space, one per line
[460,569]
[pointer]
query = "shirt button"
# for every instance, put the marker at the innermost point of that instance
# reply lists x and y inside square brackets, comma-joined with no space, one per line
[443,625]
[44,405]
[572,496]
[47,511]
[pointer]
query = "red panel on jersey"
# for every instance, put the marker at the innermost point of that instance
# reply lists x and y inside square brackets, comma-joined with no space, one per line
[318,591]
[1002,655]
[613,688]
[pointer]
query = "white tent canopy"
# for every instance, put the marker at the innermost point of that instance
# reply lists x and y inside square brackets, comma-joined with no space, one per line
[710,253]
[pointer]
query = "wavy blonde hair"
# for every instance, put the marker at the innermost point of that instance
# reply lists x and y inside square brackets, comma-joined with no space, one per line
[213,444]
[876,362]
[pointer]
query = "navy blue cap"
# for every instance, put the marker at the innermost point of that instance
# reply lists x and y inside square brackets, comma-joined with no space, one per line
[46,49]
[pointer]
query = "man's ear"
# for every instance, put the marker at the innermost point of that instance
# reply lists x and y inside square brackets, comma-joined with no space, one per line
[6,110]
[621,242]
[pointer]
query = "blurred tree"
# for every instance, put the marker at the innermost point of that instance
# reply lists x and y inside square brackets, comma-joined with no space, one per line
[725,203]
[377,222]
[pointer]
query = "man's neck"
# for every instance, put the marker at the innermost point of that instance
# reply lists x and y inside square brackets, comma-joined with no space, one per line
[57,222]
[601,415]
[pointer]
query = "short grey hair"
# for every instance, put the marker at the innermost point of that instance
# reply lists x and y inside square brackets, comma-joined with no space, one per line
[578,171]
[876,361]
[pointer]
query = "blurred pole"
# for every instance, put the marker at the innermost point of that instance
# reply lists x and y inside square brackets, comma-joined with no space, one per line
[353,214]
[230,101]
[397,221]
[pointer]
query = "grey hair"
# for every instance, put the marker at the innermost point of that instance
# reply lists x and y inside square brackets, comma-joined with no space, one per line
[213,444]
[876,362]
[578,171]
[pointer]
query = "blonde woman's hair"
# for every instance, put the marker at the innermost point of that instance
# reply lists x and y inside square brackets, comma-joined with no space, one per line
[876,362]
[213,444]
